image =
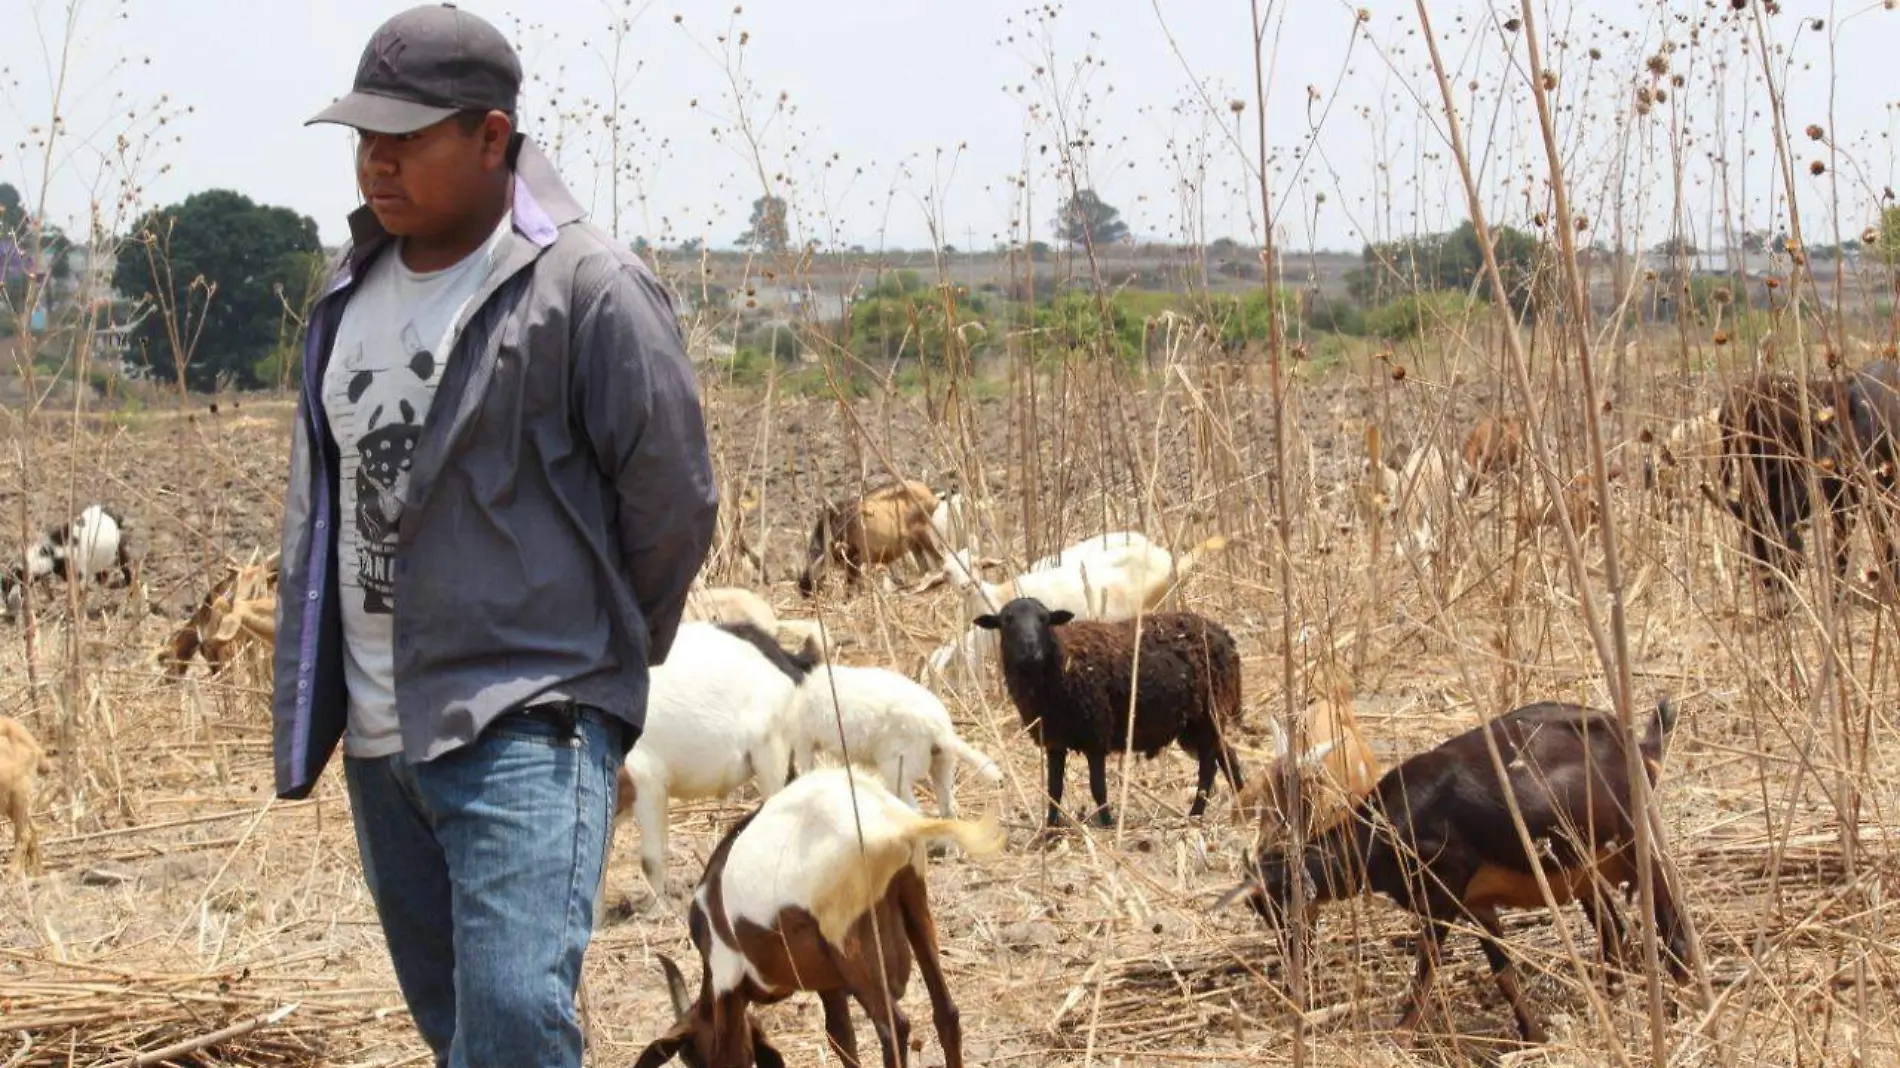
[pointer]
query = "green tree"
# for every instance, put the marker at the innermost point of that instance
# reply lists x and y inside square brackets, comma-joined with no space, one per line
[244,255]
[12,210]
[1678,245]
[1445,261]
[1087,219]
[767,229]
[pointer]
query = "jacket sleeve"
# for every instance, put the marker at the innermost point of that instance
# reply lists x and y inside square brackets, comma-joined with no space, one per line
[638,405]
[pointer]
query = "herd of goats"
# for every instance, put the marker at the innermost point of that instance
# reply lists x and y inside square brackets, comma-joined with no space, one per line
[821,888]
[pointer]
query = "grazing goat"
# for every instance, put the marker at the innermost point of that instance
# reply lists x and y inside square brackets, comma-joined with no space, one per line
[1678,468]
[1493,447]
[1764,469]
[91,548]
[1437,837]
[21,760]
[719,714]
[1333,773]
[887,722]
[1072,683]
[729,604]
[820,889]
[240,606]
[886,524]
[1422,495]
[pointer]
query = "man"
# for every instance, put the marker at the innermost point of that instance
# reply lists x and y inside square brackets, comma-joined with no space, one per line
[500,492]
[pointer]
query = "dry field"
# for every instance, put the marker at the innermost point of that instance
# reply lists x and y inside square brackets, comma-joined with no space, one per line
[179,899]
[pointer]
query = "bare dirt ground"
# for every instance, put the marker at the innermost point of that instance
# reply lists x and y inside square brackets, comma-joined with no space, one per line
[179,899]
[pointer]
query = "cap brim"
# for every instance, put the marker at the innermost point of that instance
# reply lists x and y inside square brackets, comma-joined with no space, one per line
[380,114]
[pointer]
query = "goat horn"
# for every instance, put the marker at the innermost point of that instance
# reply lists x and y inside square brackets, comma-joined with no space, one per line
[675,985]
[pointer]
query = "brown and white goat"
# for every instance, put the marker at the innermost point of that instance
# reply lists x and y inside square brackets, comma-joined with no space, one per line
[883,526]
[1437,837]
[21,760]
[820,889]
[1334,771]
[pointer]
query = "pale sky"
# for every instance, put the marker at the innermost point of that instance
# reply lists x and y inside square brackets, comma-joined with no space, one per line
[899,104]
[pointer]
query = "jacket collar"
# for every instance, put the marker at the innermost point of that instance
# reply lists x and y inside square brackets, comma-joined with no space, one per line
[542,205]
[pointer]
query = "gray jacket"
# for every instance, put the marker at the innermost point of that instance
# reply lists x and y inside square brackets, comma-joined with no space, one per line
[559,503]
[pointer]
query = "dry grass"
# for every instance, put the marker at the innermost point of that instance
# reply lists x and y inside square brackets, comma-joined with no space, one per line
[178,900]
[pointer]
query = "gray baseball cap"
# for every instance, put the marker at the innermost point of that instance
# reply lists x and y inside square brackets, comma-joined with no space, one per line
[423,66]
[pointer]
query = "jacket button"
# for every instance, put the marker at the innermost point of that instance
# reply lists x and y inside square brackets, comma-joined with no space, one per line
[311,596]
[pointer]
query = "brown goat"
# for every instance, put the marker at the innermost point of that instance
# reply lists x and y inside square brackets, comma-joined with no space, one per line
[820,889]
[888,523]
[1336,769]
[1437,837]
[21,760]
[1494,446]
[241,605]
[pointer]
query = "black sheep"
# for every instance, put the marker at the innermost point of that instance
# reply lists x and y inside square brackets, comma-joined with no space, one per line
[1071,681]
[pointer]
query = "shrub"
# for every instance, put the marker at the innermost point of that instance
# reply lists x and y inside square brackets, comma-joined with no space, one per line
[1419,313]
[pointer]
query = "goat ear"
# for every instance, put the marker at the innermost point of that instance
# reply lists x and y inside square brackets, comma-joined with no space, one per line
[663,1049]
[1060,616]
[988,622]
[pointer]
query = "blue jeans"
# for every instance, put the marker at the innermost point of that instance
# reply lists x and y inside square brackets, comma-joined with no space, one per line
[483,864]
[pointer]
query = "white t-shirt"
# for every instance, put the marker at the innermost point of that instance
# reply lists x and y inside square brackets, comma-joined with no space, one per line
[396,333]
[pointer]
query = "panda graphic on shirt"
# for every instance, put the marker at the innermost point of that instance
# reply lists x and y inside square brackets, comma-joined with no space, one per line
[384,453]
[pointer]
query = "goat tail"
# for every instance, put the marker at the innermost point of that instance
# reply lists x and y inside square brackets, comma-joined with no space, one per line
[1185,562]
[970,755]
[976,838]
[1660,726]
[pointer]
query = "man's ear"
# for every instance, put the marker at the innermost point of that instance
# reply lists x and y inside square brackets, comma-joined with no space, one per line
[498,137]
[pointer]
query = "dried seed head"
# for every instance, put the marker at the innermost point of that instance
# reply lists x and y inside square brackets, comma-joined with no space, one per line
[1398,373]
[1646,436]
[1817,168]
[1833,359]
[1550,80]
[1815,133]
[1720,339]
[1658,64]
[1513,25]
[1721,295]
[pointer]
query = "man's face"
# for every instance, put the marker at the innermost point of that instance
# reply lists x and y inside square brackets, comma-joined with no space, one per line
[425,183]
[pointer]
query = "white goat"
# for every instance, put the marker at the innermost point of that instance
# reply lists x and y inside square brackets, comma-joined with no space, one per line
[1096,579]
[719,714]
[729,604]
[886,722]
[91,547]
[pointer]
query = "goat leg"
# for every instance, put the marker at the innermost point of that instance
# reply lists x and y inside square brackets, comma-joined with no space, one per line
[1056,760]
[1098,788]
[866,984]
[1505,973]
[1612,933]
[913,904]
[1431,939]
[844,1040]
[1204,779]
